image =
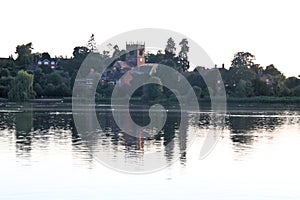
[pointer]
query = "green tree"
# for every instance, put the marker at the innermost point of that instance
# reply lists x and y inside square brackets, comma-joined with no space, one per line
[39,76]
[154,58]
[272,70]
[284,91]
[38,89]
[244,89]
[22,87]
[46,55]
[170,49]
[54,78]
[277,78]
[4,72]
[5,85]
[154,90]
[296,91]
[241,74]
[197,90]
[63,90]
[292,82]
[56,85]
[261,88]
[243,59]
[24,54]
[50,90]
[80,53]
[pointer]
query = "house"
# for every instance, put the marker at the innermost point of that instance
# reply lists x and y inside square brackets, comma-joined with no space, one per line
[48,62]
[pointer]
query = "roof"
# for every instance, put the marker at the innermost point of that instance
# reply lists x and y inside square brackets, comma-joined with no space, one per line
[149,68]
[123,64]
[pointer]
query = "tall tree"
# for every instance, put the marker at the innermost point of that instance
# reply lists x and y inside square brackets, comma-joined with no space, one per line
[170,49]
[183,57]
[272,70]
[91,44]
[277,78]
[24,54]
[243,59]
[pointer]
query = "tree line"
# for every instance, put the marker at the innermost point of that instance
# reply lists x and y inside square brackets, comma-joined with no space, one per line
[22,79]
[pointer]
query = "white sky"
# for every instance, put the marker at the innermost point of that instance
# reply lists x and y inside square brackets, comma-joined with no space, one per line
[268,29]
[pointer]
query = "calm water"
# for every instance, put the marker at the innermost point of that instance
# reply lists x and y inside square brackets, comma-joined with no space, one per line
[42,156]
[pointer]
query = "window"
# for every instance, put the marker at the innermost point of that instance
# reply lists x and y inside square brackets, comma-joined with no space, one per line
[141,52]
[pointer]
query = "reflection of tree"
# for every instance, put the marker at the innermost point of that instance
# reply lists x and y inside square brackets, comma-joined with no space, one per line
[136,140]
[171,126]
[76,140]
[242,127]
[24,125]
[183,137]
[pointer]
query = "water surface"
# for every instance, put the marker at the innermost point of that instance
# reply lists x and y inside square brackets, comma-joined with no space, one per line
[42,156]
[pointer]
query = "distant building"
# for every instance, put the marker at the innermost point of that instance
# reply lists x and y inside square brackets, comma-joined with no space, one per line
[136,54]
[52,62]
[135,57]
[48,62]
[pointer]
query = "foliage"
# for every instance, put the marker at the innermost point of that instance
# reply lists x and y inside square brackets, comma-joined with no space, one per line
[91,44]
[24,54]
[292,82]
[22,87]
[80,53]
[183,57]
[244,78]
[261,88]
[4,72]
[243,59]
[170,49]
[296,91]
[152,91]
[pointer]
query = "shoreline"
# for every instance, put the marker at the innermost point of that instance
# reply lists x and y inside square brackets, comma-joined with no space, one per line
[240,100]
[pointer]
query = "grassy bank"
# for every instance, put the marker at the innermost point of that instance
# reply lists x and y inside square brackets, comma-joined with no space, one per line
[264,99]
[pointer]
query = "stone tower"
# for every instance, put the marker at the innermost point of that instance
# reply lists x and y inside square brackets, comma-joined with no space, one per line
[135,53]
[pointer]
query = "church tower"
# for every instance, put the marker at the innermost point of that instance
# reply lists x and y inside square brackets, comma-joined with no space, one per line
[135,53]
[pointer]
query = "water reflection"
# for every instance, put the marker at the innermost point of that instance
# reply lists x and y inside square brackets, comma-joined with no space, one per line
[35,127]
[24,128]
[249,129]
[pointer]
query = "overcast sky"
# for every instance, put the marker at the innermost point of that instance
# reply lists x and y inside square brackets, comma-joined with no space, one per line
[268,29]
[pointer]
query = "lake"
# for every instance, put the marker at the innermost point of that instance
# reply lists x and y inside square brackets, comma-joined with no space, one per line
[44,156]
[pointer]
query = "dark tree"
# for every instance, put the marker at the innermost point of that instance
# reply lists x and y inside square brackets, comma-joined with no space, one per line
[243,59]
[170,49]
[46,55]
[24,54]
[80,53]
[183,57]
[91,44]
